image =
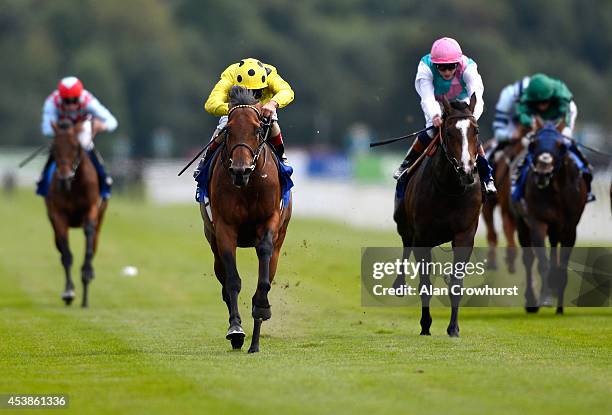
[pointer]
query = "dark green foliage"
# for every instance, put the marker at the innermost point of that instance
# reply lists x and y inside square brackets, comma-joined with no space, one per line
[153,62]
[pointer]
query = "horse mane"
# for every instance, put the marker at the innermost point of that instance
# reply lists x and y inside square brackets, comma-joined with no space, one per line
[459,105]
[241,96]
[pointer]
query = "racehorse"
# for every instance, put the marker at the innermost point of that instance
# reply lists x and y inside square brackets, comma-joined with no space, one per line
[442,202]
[554,199]
[502,167]
[245,211]
[74,201]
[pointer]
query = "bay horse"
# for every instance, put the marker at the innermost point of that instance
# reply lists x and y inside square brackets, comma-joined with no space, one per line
[74,201]
[503,161]
[245,208]
[554,199]
[442,203]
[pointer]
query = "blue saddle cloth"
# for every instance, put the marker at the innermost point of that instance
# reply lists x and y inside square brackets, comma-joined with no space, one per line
[203,178]
[400,186]
[42,187]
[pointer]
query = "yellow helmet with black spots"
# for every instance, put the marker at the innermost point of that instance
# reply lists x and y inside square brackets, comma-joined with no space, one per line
[251,74]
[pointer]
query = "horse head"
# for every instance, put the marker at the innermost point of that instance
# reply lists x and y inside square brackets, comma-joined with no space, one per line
[243,135]
[460,138]
[547,150]
[66,151]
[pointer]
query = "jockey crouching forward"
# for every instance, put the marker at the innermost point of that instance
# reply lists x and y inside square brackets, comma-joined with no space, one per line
[267,86]
[550,100]
[447,72]
[71,102]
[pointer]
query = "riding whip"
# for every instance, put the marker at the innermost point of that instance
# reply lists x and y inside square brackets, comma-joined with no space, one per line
[34,154]
[393,140]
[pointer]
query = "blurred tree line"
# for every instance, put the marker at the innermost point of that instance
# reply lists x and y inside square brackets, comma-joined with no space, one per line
[153,62]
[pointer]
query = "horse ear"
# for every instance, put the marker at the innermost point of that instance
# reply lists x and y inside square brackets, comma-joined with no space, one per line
[446,104]
[472,102]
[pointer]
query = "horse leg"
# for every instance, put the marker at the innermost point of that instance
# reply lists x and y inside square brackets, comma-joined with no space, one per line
[567,243]
[60,228]
[87,271]
[100,218]
[424,255]
[528,257]
[463,245]
[226,242]
[538,232]
[260,304]
[401,277]
[487,213]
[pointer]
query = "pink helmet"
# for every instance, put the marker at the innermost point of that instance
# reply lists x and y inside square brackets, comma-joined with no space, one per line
[446,50]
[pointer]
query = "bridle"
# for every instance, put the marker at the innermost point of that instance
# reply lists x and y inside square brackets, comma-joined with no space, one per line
[75,164]
[452,160]
[549,159]
[262,136]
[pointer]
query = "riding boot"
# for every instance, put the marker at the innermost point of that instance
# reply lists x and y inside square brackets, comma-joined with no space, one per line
[587,172]
[486,175]
[41,184]
[280,150]
[412,155]
[279,146]
[105,180]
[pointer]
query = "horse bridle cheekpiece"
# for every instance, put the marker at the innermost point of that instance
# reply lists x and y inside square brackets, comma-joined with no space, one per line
[262,135]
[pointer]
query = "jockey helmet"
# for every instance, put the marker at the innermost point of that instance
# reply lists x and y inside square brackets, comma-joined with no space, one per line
[251,74]
[70,87]
[541,88]
[446,50]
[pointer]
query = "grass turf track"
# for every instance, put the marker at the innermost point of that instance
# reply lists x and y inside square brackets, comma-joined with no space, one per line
[155,343]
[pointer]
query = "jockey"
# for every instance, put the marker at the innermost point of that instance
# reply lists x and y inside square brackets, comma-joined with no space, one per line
[267,86]
[506,124]
[551,100]
[446,71]
[73,103]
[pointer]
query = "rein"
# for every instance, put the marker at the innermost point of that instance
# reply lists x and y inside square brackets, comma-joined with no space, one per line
[75,164]
[262,137]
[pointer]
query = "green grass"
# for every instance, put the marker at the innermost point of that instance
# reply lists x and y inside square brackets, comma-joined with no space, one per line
[155,343]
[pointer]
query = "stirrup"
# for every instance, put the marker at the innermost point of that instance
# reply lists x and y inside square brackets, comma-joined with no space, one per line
[590,197]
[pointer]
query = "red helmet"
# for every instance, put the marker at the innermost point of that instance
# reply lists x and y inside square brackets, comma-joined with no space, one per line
[70,87]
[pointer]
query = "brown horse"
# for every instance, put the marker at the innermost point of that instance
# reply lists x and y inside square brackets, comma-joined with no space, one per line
[554,199]
[245,196]
[74,201]
[442,203]
[502,167]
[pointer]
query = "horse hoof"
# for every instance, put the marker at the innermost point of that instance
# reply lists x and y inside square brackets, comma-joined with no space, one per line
[532,310]
[68,296]
[235,335]
[261,313]
[425,333]
[253,349]
[492,266]
[453,332]
[511,268]
[559,311]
